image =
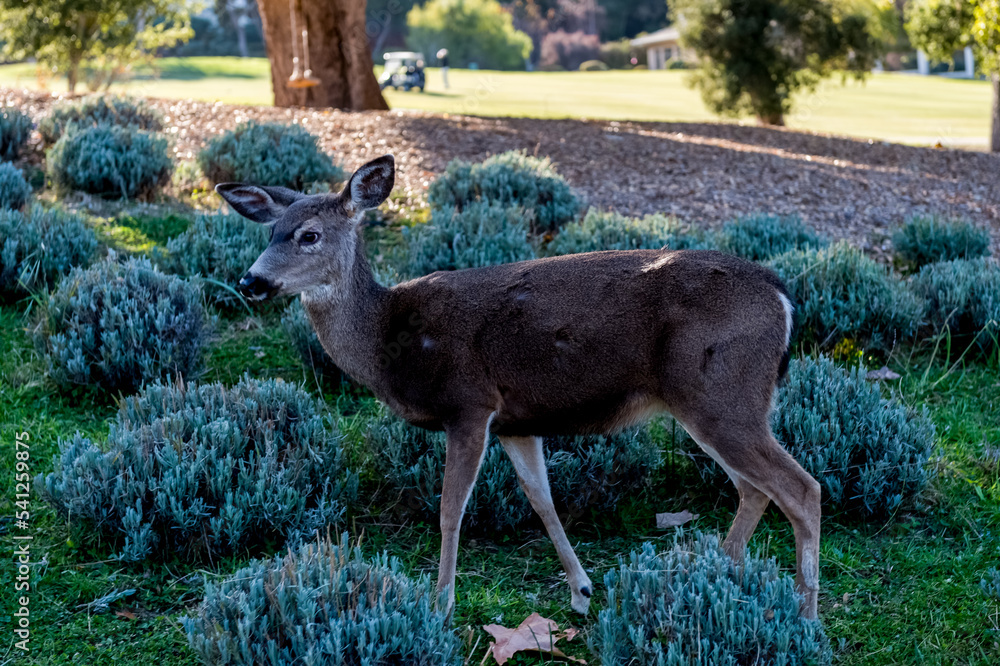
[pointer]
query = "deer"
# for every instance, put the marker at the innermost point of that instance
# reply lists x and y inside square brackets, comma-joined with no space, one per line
[577,344]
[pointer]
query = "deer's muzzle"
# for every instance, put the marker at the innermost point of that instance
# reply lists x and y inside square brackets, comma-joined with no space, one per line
[256,288]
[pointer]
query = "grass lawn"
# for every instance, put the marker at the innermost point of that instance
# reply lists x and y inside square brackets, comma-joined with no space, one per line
[903,592]
[894,107]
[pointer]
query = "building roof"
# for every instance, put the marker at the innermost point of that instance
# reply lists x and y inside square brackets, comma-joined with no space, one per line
[663,36]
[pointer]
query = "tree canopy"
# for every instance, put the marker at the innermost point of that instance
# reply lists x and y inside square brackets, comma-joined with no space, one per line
[941,27]
[756,54]
[106,36]
[473,31]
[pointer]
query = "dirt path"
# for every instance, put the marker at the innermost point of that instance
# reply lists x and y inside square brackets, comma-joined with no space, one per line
[704,173]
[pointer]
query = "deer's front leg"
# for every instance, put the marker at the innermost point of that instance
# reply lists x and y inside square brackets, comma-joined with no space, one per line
[528,459]
[464,454]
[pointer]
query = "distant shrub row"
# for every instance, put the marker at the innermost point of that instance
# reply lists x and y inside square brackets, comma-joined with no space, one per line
[112,147]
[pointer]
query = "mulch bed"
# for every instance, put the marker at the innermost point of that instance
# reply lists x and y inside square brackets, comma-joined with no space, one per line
[702,172]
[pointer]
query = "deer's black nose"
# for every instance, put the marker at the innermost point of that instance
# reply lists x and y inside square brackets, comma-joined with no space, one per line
[255,288]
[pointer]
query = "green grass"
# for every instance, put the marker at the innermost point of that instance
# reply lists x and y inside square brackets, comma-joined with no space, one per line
[893,107]
[903,592]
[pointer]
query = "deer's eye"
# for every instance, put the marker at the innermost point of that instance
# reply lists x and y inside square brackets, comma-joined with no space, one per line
[309,237]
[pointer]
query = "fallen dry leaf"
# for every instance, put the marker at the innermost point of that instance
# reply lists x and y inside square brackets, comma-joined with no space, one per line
[882,374]
[535,633]
[665,520]
[128,615]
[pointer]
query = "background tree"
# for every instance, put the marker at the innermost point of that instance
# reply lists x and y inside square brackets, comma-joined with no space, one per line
[756,54]
[238,13]
[473,31]
[386,25]
[109,37]
[941,27]
[338,53]
[627,18]
[532,18]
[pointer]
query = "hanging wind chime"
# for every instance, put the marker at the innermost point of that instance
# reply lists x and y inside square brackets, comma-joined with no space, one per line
[300,78]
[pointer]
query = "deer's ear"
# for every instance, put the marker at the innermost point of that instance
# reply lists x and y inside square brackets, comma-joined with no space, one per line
[258,203]
[371,184]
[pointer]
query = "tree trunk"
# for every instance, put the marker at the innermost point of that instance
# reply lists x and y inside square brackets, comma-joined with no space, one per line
[777,119]
[72,75]
[338,54]
[995,134]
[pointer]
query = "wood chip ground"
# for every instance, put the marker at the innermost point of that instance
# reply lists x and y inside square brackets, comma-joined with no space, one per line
[704,173]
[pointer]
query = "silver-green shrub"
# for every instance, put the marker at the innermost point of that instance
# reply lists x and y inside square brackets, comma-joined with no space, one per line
[219,247]
[929,239]
[480,234]
[760,237]
[600,230]
[204,470]
[868,453]
[592,472]
[15,130]
[110,161]
[14,189]
[303,338]
[692,605]
[322,604]
[118,325]
[40,245]
[268,154]
[839,292]
[99,110]
[512,179]
[963,298]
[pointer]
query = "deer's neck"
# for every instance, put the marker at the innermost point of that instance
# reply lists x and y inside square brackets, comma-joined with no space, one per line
[347,318]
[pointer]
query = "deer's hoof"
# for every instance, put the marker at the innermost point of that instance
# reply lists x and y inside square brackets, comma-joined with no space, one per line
[581,599]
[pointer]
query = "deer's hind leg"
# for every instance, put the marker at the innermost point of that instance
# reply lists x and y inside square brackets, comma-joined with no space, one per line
[762,469]
[529,462]
[753,503]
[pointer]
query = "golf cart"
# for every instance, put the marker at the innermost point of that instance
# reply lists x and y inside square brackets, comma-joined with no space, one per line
[403,69]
